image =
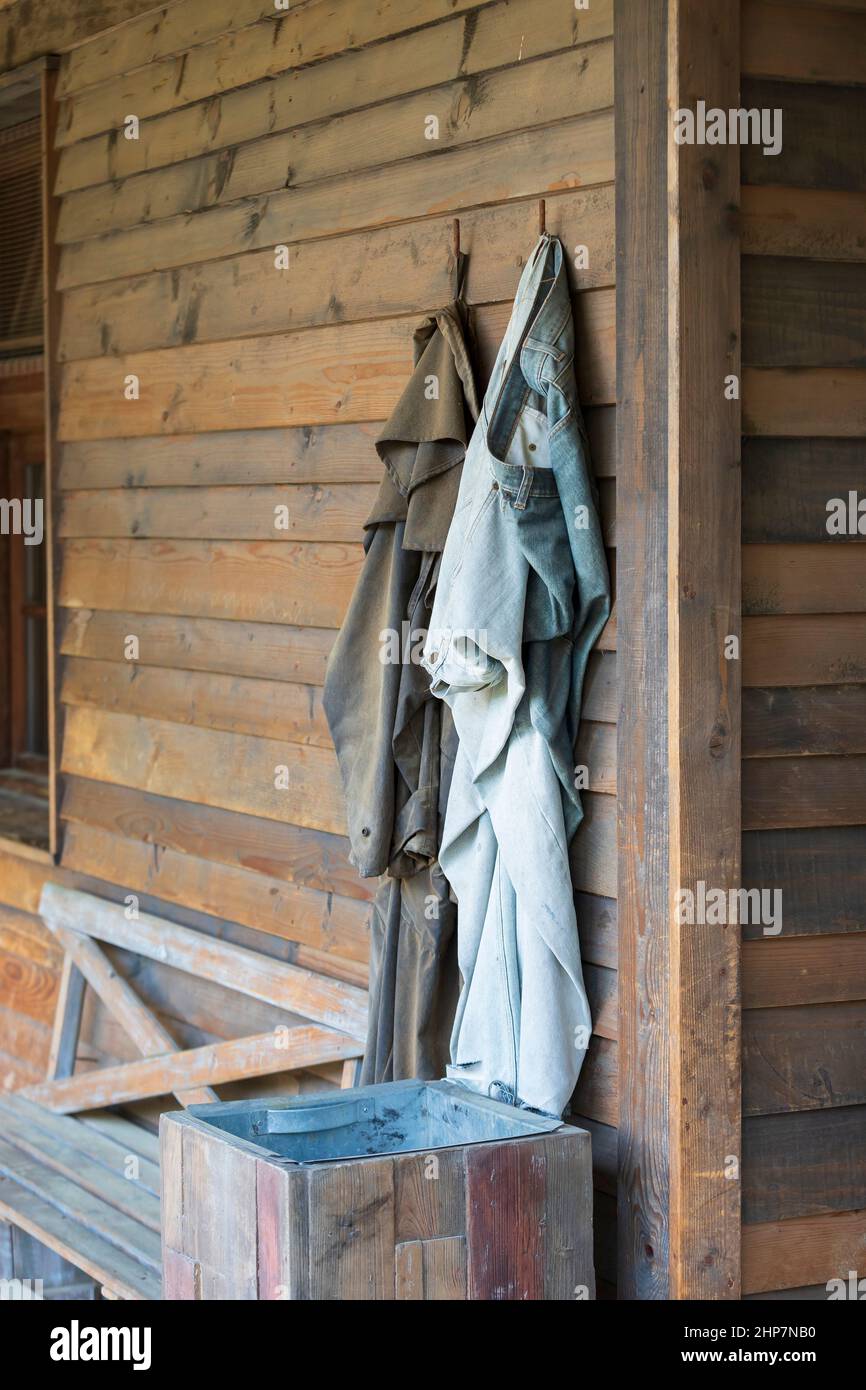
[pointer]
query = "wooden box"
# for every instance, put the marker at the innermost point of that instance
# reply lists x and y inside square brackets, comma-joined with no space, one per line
[410,1190]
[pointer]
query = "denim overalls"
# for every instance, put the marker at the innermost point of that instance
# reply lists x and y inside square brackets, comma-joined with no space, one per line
[523,594]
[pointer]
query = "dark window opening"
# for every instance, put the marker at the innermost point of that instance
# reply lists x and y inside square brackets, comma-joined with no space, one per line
[24,761]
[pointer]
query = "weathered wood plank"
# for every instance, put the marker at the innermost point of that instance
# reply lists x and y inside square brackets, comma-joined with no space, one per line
[822,223]
[801,44]
[219,1062]
[313,376]
[593,850]
[541,92]
[90,1135]
[67,1021]
[28,32]
[797,1166]
[501,35]
[803,649]
[779,793]
[788,484]
[330,1002]
[135,1018]
[525,164]
[102,1260]
[268,651]
[73,1200]
[804,970]
[62,1145]
[309,585]
[805,1250]
[333,928]
[803,313]
[804,401]
[235,704]
[678,443]
[281,781]
[358,1202]
[804,1058]
[817,118]
[375,274]
[804,720]
[288,853]
[493,36]
[811,578]
[821,874]
[303,36]
[293,513]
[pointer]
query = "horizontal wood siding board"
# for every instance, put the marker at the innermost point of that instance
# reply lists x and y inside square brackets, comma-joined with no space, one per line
[812,578]
[809,1057]
[315,376]
[822,145]
[797,401]
[803,313]
[303,584]
[789,484]
[268,651]
[234,771]
[331,925]
[822,223]
[803,43]
[782,971]
[803,1250]
[806,1164]
[375,274]
[268,709]
[526,164]
[804,720]
[805,649]
[821,874]
[785,792]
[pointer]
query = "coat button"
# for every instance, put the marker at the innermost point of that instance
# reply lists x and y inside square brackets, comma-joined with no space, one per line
[365,830]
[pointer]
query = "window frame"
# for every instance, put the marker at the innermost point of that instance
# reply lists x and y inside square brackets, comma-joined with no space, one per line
[28,89]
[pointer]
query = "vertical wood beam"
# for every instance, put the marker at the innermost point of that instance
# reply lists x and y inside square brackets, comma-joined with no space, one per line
[51,336]
[678,531]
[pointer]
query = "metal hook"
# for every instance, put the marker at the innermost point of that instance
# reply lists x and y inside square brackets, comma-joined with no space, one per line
[542,217]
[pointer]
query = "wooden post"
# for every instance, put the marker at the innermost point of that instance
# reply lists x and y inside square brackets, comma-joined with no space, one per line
[678,550]
[51,334]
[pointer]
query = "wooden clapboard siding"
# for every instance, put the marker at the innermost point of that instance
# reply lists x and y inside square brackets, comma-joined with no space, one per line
[822,144]
[270,650]
[269,709]
[182,125]
[804,708]
[820,222]
[302,584]
[805,1057]
[314,376]
[233,771]
[266,389]
[798,312]
[534,94]
[821,874]
[808,720]
[802,44]
[492,36]
[788,484]
[805,649]
[530,163]
[804,1165]
[386,271]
